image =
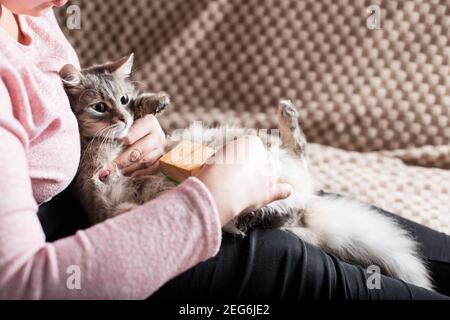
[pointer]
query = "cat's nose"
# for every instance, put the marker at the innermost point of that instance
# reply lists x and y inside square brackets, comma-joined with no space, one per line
[121,117]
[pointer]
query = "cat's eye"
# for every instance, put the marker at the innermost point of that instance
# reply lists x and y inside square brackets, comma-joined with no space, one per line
[99,107]
[124,99]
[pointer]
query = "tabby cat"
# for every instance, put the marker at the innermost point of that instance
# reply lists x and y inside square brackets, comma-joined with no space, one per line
[106,103]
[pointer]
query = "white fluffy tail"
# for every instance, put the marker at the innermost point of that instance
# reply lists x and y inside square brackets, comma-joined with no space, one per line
[359,234]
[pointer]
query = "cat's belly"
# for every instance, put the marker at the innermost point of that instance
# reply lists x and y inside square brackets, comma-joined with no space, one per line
[294,171]
[105,195]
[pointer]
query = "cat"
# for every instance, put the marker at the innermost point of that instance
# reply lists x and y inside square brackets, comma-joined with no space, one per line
[105,103]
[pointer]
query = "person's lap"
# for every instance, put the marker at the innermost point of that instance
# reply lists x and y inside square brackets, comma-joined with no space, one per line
[273,265]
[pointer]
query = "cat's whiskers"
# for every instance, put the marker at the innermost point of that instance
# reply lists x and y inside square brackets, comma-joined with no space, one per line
[103,141]
[110,135]
[113,136]
[96,135]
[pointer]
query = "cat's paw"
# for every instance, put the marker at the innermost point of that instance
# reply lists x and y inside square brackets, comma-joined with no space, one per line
[163,102]
[288,110]
[150,103]
[230,227]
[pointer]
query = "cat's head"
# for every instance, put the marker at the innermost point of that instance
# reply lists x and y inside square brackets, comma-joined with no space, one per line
[101,97]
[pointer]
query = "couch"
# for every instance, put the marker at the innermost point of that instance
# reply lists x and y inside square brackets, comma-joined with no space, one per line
[371,84]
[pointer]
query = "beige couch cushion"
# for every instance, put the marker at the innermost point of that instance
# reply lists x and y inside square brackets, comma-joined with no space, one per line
[382,95]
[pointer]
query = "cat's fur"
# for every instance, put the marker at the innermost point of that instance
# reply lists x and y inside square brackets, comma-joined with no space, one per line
[351,230]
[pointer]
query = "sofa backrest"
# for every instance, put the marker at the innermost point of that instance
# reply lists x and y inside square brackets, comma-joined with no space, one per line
[357,87]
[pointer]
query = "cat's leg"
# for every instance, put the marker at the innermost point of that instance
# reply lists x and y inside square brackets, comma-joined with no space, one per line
[294,153]
[112,195]
[149,103]
[347,228]
[293,157]
[278,214]
[292,136]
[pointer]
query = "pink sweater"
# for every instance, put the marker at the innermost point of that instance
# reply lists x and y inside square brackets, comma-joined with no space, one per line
[129,256]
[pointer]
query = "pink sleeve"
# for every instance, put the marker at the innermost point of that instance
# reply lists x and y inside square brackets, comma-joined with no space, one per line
[129,256]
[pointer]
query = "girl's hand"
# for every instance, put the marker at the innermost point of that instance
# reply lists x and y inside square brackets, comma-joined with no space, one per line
[243,177]
[146,141]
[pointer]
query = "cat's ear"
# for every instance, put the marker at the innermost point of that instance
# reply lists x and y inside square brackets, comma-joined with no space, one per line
[70,76]
[72,79]
[122,67]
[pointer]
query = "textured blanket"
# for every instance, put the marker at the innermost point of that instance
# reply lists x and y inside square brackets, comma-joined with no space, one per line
[371,80]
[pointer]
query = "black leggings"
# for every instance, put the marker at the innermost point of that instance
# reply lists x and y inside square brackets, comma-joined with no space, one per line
[274,265]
